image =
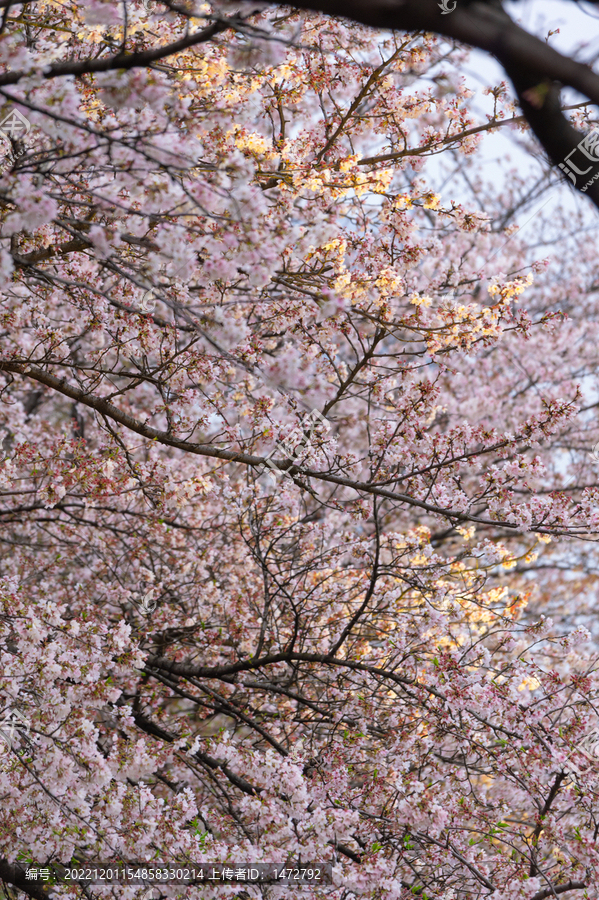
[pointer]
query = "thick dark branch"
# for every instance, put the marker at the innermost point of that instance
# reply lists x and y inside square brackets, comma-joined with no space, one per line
[145,724]
[48,252]
[558,889]
[13,873]
[73,246]
[541,106]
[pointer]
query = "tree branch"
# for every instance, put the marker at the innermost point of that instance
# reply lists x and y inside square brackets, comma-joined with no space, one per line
[552,890]
[106,408]
[125,61]
[13,873]
[146,725]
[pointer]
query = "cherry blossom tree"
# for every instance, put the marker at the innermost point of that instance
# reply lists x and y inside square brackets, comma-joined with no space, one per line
[299,493]
[537,70]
